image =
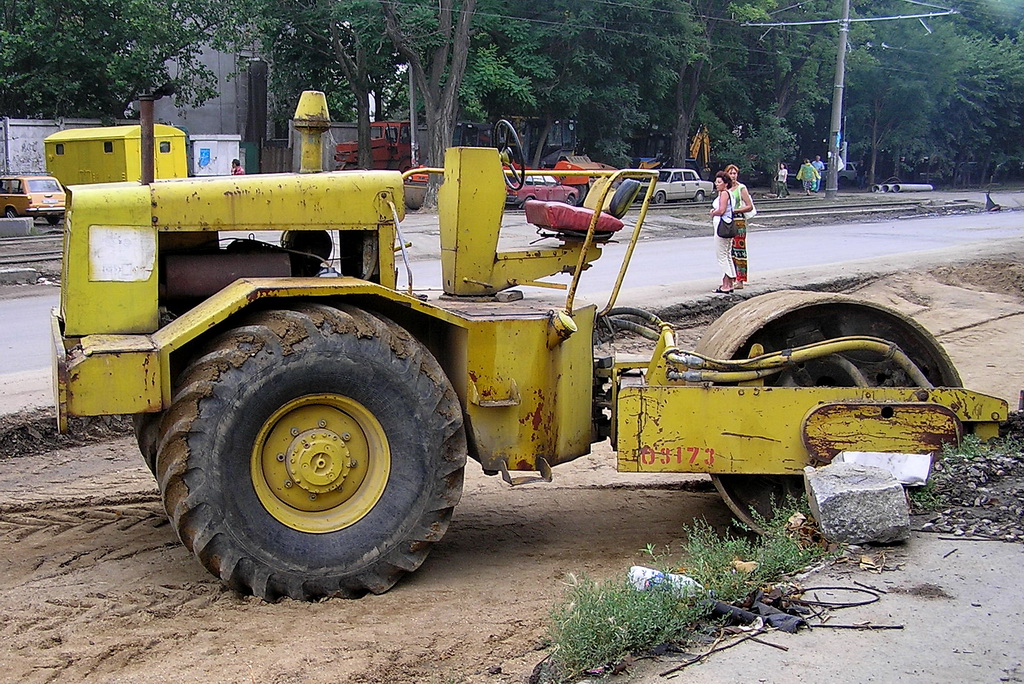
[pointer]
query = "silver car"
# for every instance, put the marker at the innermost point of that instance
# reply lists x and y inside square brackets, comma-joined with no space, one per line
[680,184]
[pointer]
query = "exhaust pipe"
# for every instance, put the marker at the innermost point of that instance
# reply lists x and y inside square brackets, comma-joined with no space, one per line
[147,138]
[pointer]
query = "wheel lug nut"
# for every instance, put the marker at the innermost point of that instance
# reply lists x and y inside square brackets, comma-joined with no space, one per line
[353,463]
[312,497]
[280,457]
[287,484]
[322,423]
[295,432]
[345,436]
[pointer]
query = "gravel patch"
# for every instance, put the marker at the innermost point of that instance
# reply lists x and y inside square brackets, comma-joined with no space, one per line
[978,492]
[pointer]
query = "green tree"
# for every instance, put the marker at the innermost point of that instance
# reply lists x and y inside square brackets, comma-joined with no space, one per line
[979,118]
[336,47]
[433,39]
[602,64]
[61,58]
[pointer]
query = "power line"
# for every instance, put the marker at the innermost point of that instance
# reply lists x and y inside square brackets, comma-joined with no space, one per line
[850,21]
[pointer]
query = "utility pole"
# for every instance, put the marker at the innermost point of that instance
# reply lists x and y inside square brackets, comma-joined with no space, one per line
[414,143]
[835,130]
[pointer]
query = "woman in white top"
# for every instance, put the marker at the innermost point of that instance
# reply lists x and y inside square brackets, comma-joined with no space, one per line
[721,210]
[780,181]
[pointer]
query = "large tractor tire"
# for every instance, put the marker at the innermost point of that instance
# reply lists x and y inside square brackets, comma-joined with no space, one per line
[787,319]
[147,434]
[312,452]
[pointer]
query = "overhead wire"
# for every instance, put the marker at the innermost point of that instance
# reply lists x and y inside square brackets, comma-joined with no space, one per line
[645,35]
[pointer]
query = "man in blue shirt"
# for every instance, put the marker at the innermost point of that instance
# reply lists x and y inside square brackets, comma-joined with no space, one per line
[820,168]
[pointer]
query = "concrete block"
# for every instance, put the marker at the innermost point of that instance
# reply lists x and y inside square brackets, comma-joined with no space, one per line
[858,504]
[16,227]
[18,276]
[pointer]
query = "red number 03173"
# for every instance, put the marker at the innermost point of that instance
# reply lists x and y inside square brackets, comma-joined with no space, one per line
[667,456]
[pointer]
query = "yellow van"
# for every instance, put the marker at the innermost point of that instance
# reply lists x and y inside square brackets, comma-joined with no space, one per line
[32,196]
[112,154]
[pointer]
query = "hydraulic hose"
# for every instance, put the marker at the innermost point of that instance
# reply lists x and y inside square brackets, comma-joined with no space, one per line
[701,368]
[736,370]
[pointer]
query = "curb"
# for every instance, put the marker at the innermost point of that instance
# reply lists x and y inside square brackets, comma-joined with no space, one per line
[18,276]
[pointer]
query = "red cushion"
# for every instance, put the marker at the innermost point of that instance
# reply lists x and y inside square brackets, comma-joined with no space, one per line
[558,216]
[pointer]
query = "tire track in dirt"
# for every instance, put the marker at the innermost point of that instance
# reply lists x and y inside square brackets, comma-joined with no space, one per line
[82,566]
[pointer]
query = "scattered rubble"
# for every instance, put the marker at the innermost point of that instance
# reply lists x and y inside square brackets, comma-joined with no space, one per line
[980,495]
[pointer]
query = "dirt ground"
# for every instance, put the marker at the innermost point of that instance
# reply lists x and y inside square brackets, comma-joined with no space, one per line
[95,586]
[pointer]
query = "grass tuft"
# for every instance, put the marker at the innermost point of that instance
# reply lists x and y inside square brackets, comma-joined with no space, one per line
[600,623]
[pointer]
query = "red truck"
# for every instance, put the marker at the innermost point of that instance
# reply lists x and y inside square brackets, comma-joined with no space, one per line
[390,147]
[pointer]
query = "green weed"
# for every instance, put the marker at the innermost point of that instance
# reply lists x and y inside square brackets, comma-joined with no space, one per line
[600,623]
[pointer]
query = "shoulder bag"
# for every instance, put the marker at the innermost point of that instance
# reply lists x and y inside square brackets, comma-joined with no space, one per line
[725,230]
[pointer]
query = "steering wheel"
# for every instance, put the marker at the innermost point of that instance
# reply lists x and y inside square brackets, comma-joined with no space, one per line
[511,152]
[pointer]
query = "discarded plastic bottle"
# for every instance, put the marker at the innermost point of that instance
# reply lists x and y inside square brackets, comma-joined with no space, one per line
[644,579]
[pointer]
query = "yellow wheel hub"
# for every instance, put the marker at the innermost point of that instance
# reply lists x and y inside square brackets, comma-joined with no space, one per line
[320,463]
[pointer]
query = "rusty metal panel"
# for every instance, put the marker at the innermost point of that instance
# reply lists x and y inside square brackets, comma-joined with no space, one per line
[525,401]
[109,272]
[892,427]
[759,430]
[324,201]
[109,374]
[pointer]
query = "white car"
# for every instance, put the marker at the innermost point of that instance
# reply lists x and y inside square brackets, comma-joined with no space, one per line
[680,184]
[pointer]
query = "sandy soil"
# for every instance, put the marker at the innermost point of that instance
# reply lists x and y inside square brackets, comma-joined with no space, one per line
[97,588]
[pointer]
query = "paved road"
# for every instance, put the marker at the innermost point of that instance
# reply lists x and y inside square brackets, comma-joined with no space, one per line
[24,333]
[667,260]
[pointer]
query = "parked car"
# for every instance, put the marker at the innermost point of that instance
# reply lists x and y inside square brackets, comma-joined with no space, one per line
[680,184]
[848,175]
[544,188]
[32,196]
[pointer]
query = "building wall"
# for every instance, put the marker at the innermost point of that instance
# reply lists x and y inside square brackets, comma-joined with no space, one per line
[21,141]
[239,108]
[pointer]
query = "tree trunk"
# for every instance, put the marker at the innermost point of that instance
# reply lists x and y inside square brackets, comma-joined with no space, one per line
[363,130]
[538,152]
[356,72]
[438,74]
[688,89]
[874,148]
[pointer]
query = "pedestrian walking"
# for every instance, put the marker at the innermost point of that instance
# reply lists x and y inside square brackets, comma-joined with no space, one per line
[780,181]
[819,166]
[806,175]
[742,207]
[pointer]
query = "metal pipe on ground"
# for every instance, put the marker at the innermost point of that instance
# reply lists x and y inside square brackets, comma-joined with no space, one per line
[912,187]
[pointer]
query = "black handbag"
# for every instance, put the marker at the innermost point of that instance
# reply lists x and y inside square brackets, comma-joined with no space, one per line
[726,230]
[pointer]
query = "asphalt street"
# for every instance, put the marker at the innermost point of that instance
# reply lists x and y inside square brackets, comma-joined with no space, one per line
[659,263]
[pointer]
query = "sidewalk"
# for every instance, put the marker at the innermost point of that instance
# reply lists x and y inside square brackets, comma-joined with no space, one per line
[958,602]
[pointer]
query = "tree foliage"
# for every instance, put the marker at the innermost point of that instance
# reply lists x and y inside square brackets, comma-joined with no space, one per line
[62,58]
[941,97]
[337,47]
